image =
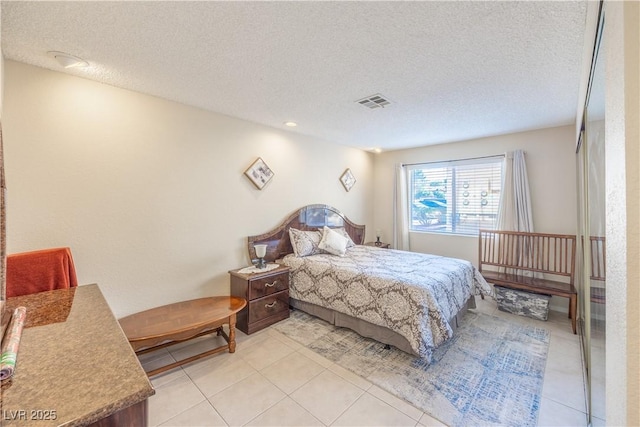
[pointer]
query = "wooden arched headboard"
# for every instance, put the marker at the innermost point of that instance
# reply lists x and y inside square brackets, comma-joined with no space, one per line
[311,217]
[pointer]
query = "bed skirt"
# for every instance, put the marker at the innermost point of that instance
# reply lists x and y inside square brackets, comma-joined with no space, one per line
[369,330]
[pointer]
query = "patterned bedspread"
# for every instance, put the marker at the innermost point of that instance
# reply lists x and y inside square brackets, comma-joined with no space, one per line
[410,293]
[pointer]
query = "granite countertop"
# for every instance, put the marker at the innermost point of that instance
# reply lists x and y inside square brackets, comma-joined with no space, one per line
[75,365]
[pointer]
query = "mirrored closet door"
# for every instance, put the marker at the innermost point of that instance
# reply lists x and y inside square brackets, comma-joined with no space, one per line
[591,217]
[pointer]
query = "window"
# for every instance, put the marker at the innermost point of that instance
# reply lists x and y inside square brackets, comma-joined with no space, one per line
[457,197]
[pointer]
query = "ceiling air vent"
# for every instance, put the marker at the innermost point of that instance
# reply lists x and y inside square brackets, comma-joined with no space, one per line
[374,101]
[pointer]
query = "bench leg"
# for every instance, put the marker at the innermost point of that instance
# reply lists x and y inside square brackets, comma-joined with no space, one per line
[573,308]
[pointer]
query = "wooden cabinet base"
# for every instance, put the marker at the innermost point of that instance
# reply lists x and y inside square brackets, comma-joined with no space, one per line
[134,415]
[259,325]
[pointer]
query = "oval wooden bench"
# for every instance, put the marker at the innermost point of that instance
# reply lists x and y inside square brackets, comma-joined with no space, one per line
[182,321]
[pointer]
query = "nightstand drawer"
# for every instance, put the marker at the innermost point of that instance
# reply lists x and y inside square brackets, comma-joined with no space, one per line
[259,288]
[268,306]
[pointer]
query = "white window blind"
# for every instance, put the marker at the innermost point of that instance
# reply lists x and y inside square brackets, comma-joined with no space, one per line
[457,197]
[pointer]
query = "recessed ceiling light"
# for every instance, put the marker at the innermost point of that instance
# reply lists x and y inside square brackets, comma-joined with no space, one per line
[291,124]
[376,150]
[68,61]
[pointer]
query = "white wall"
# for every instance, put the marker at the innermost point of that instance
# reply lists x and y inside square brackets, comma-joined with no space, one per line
[622,145]
[1,82]
[2,267]
[550,158]
[551,161]
[150,194]
[1,66]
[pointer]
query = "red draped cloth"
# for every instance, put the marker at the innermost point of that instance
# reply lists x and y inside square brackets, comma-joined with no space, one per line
[38,271]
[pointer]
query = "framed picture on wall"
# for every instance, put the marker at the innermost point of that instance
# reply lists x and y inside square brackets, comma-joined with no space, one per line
[347,179]
[259,173]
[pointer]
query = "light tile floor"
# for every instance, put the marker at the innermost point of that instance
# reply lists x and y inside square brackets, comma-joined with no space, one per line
[273,381]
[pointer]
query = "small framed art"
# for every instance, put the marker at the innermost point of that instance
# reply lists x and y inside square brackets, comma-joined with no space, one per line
[347,179]
[259,173]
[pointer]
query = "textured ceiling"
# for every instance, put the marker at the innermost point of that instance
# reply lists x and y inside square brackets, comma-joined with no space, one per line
[452,70]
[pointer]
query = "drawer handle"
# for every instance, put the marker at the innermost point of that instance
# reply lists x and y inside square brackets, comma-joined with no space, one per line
[271,285]
[271,305]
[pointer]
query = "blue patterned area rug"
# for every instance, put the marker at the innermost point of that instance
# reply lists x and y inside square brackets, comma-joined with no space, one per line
[490,373]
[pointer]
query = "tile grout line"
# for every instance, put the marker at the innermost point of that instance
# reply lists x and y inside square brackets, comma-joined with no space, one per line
[190,407]
[268,380]
[348,407]
[365,391]
[270,407]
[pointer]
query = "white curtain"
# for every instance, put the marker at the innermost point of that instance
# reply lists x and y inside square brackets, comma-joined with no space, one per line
[514,213]
[400,210]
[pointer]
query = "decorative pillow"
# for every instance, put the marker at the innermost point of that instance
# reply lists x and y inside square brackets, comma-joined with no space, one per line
[333,242]
[344,233]
[304,243]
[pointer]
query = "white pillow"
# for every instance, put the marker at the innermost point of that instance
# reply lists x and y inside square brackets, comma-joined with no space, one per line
[333,242]
[304,243]
[344,233]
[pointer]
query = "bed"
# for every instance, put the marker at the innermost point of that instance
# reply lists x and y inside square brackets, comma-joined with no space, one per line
[410,300]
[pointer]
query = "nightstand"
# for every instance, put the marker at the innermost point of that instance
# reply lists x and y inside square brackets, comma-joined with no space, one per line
[267,296]
[381,245]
